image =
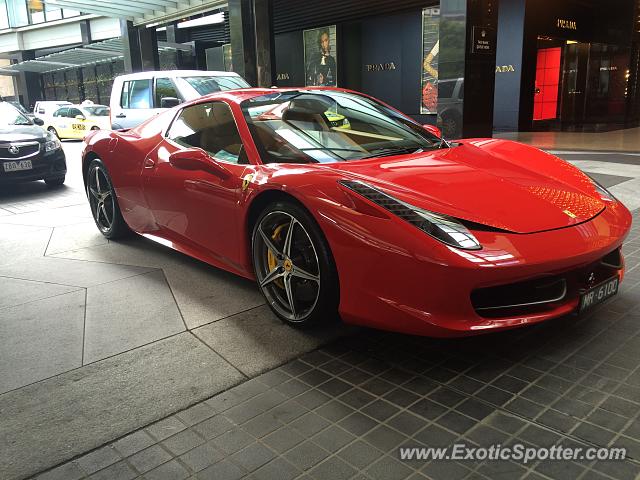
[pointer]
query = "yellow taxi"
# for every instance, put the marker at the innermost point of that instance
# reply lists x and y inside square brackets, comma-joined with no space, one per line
[75,121]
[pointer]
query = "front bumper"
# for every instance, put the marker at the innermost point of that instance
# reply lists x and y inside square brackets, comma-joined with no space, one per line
[49,165]
[393,277]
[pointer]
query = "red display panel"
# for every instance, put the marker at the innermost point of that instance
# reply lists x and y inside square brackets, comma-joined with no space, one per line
[545,103]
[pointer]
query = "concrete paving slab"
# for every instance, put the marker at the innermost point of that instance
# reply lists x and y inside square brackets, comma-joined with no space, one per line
[74,237]
[18,292]
[134,250]
[25,244]
[43,218]
[70,272]
[40,339]
[206,294]
[256,340]
[54,420]
[128,313]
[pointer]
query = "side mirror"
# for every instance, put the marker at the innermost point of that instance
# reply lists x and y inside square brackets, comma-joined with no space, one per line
[38,121]
[197,159]
[80,117]
[433,130]
[169,102]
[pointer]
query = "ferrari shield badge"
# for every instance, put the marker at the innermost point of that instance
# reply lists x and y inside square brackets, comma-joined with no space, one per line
[246,181]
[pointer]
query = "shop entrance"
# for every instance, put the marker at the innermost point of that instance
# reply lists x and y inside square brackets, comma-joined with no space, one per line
[579,85]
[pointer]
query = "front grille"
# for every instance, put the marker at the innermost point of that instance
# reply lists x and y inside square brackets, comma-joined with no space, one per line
[544,293]
[18,150]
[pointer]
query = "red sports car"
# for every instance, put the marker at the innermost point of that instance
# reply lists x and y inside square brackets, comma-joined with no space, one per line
[336,203]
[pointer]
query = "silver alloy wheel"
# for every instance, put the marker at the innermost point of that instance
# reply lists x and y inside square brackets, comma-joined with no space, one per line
[287,267]
[100,198]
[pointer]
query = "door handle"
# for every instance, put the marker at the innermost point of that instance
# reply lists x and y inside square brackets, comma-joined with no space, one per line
[149,163]
[121,115]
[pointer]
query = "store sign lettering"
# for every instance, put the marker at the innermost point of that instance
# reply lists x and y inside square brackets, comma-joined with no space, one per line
[505,68]
[283,76]
[567,24]
[380,67]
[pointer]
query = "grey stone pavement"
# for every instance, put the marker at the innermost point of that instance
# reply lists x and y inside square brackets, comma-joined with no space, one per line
[159,366]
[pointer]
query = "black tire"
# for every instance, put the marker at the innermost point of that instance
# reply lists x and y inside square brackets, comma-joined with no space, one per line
[95,128]
[325,307]
[54,131]
[54,182]
[107,217]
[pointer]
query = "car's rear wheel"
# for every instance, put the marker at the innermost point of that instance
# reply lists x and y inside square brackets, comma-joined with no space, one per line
[53,131]
[103,202]
[95,128]
[293,265]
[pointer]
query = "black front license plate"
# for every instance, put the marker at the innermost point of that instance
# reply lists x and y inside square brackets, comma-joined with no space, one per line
[599,294]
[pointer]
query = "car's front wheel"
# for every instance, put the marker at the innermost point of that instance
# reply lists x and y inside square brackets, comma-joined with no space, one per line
[103,202]
[293,265]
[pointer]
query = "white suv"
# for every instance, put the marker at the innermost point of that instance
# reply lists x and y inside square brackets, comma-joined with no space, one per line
[137,96]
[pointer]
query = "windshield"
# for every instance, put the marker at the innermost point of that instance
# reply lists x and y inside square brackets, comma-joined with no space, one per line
[96,111]
[323,126]
[19,107]
[207,85]
[10,116]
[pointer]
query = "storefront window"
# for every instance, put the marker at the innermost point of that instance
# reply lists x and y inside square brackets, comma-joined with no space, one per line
[4,16]
[70,13]
[36,11]
[18,14]
[52,13]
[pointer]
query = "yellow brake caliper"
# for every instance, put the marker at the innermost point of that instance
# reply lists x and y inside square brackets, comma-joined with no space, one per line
[272,261]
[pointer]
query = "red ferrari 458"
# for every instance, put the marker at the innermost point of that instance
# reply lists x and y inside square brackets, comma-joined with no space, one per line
[337,204]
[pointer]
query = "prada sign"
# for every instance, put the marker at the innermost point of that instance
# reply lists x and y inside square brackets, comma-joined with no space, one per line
[283,76]
[380,67]
[505,69]
[566,24]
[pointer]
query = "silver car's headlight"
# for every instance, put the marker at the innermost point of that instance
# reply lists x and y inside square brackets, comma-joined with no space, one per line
[52,143]
[444,228]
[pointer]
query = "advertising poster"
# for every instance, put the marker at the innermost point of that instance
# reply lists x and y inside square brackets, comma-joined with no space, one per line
[320,56]
[430,50]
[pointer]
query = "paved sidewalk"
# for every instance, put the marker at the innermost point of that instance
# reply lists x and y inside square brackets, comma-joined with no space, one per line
[342,412]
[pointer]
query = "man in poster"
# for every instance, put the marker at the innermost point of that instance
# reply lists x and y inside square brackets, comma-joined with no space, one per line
[321,68]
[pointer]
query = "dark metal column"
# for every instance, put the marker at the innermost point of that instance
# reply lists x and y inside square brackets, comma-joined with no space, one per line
[468,51]
[29,86]
[149,56]
[140,47]
[174,36]
[252,40]
[131,47]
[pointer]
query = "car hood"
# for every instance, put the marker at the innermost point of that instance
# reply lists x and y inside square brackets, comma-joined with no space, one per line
[21,133]
[498,183]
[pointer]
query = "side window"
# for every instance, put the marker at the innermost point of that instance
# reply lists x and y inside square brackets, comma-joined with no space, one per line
[73,113]
[164,88]
[61,112]
[136,94]
[211,127]
[124,96]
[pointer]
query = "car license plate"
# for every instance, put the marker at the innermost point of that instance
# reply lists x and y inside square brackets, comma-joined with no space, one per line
[599,293]
[17,166]
[77,126]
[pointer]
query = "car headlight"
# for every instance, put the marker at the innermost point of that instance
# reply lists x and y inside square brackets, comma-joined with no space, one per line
[52,143]
[443,228]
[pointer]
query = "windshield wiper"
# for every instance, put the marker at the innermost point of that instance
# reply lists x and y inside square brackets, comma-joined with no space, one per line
[387,152]
[331,149]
